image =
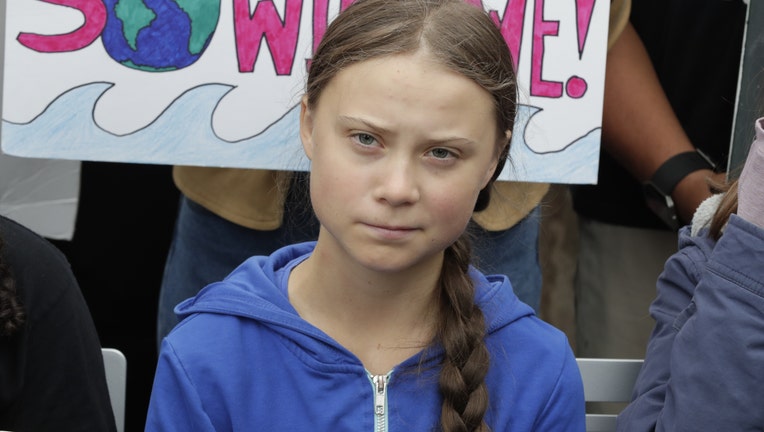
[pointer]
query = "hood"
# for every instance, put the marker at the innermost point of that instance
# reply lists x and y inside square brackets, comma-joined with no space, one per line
[253,290]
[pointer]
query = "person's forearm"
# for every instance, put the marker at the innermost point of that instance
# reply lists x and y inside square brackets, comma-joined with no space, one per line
[639,127]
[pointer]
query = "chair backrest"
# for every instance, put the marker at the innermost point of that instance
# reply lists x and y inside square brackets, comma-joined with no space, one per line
[115,364]
[607,380]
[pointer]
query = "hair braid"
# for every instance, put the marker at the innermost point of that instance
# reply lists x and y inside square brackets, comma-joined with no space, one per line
[11,312]
[461,331]
[465,40]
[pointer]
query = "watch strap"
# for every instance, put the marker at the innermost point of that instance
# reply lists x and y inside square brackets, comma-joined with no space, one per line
[678,167]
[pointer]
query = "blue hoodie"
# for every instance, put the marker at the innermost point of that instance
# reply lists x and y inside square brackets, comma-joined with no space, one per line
[243,359]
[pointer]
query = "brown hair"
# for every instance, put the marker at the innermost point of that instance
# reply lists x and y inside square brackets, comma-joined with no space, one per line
[727,207]
[464,39]
[11,312]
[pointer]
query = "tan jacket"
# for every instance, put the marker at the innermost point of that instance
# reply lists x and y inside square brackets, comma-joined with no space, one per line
[255,198]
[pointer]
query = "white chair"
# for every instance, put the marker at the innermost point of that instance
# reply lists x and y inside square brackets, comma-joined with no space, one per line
[115,364]
[607,380]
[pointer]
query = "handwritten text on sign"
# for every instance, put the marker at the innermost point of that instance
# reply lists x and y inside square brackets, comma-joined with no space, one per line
[143,75]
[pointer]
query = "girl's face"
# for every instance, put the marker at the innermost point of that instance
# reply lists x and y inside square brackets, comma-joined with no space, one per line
[400,148]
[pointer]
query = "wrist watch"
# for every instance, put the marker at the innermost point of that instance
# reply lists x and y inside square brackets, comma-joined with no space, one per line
[658,189]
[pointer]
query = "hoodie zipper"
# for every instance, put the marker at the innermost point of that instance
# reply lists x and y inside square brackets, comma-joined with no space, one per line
[379,385]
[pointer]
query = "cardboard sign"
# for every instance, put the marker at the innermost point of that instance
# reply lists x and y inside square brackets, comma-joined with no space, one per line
[41,194]
[217,83]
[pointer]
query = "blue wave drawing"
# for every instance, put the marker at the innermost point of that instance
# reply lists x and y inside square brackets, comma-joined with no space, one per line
[183,135]
[577,163]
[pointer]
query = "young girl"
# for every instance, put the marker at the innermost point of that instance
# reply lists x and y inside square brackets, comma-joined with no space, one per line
[704,367]
[381,324]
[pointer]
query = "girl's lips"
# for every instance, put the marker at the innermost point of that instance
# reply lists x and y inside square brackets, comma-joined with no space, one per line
[391,232]
[393,228]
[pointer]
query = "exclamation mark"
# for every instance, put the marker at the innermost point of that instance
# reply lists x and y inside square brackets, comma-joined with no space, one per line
[576,86]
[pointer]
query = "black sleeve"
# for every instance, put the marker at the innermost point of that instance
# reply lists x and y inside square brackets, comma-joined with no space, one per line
[53,365]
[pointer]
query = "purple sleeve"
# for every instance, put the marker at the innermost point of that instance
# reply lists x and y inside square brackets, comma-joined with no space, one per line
[711,374]
[718,356]
[670,310]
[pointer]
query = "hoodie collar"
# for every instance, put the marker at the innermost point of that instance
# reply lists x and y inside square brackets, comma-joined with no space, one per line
[257,290]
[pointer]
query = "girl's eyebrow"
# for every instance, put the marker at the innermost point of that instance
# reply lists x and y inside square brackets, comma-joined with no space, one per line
[451,140]
[352,121]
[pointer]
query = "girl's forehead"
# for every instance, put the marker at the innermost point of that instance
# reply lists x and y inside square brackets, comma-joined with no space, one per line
[402,70]
[412,92]
[421,58]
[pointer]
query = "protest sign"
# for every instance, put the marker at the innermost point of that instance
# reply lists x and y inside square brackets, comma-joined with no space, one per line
[217,83]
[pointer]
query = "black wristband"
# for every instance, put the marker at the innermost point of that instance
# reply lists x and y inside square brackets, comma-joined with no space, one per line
[678,167]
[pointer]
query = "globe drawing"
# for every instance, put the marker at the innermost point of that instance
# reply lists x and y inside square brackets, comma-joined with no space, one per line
[159,35]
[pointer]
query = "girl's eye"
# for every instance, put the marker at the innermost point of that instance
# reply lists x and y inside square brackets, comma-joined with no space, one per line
[365,139]
[441,153]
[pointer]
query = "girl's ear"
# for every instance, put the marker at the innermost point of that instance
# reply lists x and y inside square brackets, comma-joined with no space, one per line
[306,127]
[489,174]
[497,163]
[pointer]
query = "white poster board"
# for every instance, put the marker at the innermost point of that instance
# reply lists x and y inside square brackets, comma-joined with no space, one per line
[217,83]
[41,194]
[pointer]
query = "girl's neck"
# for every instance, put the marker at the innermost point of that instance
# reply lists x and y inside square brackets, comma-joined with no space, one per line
[382,318]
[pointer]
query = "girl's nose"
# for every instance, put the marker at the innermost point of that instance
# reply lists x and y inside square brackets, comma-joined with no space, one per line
[397,184]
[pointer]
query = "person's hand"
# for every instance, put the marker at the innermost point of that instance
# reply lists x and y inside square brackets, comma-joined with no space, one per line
[751,182]
[693,190]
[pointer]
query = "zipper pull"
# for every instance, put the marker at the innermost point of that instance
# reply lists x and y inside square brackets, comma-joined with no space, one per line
[380,381]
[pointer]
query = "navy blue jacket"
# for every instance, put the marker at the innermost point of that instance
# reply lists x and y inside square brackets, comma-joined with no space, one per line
[704,367]
[243,359]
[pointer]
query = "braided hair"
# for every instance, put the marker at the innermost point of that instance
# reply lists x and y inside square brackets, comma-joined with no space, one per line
[465,40]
